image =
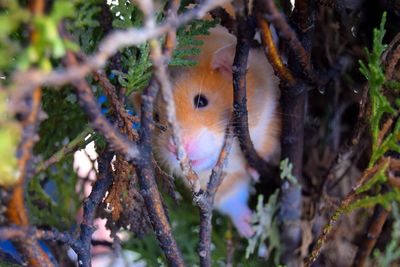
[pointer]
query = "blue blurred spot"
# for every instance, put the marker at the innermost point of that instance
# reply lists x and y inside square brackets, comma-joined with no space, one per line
[102,99]
[104,110]
[9,248]
[111,76]
[136,125]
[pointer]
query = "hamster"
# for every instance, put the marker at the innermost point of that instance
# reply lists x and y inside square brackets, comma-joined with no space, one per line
[203,99]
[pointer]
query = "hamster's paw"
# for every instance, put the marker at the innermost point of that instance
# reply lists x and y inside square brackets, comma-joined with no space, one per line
[242,222]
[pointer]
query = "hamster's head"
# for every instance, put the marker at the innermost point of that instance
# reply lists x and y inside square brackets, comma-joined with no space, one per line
[203,102]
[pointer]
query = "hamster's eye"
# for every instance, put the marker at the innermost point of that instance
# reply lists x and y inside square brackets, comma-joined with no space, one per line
[200,101]
[156,117]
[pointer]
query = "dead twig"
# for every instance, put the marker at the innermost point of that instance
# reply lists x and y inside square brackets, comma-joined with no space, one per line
[393,57]
[71,147]
[205,200]
[271,52]
[87,100]
[374,230]
[346,202]
[117,106]
[273,15]
[99,189]
[148,187]
[240,115]
[23,232]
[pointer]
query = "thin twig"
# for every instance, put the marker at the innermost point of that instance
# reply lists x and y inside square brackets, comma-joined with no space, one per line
[117,106]
[99,189]
[24,232]
[16,210]
[205,200]
[240,114]
[289,35]
[117,142]
[271,52]
[346,202]
[393,57]
[78,141]
[374,230]
[293,104]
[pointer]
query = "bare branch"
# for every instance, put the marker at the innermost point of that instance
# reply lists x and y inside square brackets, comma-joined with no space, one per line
[205,199]
[71,147]
[374,230]
[145,170]
[271,52]
[240,115]
[288,34]
[21,233]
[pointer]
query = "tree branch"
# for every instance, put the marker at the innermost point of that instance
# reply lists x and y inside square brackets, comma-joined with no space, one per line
[374,230]
[205,199]
[240,115]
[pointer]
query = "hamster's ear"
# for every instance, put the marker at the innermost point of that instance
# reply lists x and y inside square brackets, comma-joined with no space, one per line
[222,59]
[136,99]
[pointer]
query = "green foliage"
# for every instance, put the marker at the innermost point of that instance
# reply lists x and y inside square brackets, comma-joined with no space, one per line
[139,69]
[136,59]
[370,201]
[393,85]
[266,228]
[286,168]
[6,264]
[59,207]
[65,121]
[187,44]
[380,108]
[126,15]
[9,138]
[380,105]
[11,18]
[48,43]
[379,177]
[85,26]
[391,254]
